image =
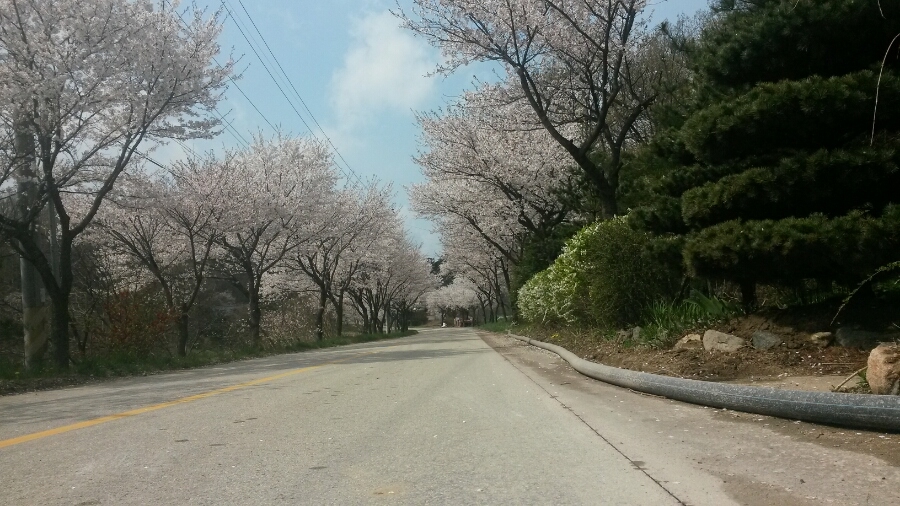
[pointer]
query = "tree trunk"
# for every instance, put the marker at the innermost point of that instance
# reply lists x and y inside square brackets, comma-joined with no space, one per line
[339,315]
[255,320]
[34,305]
[60,330]
[183,320]
[320,314]
[35,316]
[748,295]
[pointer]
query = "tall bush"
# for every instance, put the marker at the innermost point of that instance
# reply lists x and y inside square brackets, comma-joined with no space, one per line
[779,174]
[607,275]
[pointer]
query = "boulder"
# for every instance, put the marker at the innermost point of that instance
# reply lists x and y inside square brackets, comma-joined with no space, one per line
[628,335]
[762,340]
[853,337]
[689,342]
[883,373]
[822,339]
[713,340]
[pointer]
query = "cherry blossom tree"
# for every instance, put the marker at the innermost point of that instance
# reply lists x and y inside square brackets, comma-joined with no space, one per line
[504,182]
[575,62]
[392,277]
[332,259]
[88,82]
[452,298]
[489,188]
[168,225]
[271,202]
[476,262]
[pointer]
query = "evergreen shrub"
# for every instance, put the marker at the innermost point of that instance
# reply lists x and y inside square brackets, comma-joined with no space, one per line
[606,276]
[785,169]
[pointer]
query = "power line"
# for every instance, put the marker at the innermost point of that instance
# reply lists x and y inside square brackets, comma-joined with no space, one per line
[297,93]
[253,47]
[233,131]
[228,125]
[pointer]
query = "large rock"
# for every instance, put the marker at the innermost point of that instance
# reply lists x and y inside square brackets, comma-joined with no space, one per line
[689,342]
[853,337]
[762,340]
[883,373]
[822,339]
[629,335]
[713,340]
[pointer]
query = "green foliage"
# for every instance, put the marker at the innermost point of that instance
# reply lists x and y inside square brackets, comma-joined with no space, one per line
[605,276]
[771,40]
[773,118]
[711,308]
[829,182]
[843,249]
[539,252]
[775,176]
[666,321]
[548,297]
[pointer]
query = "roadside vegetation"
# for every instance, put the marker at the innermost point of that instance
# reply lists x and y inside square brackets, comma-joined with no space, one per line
[114,261]
[733,171]
[15,378]
[620,179]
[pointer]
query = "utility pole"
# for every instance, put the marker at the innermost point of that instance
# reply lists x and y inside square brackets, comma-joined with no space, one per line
[35,314]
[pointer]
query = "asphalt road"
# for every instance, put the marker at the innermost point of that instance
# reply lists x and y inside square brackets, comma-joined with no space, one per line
[439,418]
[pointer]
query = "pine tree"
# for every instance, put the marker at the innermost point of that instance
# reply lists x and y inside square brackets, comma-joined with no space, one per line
[778,173]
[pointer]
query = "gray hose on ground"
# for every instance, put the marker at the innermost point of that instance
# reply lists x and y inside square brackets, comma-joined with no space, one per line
[848,410]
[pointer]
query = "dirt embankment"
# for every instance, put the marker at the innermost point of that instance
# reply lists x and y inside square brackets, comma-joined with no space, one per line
[797,362]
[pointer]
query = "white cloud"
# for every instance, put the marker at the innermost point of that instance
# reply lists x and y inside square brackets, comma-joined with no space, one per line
[383,71]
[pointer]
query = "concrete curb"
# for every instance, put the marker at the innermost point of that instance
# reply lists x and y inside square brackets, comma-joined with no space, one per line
[863,411]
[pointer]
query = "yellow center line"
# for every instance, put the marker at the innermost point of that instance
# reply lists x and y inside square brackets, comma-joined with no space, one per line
[146,409]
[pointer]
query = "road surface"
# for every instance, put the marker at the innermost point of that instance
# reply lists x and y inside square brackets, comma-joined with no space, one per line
[444,417]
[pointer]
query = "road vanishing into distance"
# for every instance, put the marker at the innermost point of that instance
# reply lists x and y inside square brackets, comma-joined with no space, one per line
[449,416]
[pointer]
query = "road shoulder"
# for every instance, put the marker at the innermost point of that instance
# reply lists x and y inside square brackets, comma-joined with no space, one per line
[705,452]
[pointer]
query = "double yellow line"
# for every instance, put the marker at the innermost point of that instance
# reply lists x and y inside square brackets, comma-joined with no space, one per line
[146,409]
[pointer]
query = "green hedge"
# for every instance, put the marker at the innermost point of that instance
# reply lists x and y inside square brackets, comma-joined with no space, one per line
[775,40]
[843,249]
[827,182]
[787,115]
[607,275]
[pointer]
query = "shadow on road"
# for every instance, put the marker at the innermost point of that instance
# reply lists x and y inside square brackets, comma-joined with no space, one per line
[116,396]
[418,354]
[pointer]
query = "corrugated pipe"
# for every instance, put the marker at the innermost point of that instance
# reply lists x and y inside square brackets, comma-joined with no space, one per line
[848,410]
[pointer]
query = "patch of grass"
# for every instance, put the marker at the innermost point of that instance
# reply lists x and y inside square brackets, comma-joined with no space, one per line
[14,377]
[665,322]
[500,326]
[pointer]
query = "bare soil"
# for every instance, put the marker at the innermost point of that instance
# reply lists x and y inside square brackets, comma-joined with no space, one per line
[796,363]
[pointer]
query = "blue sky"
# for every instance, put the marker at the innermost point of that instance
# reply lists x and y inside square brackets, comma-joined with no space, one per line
[360,75]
